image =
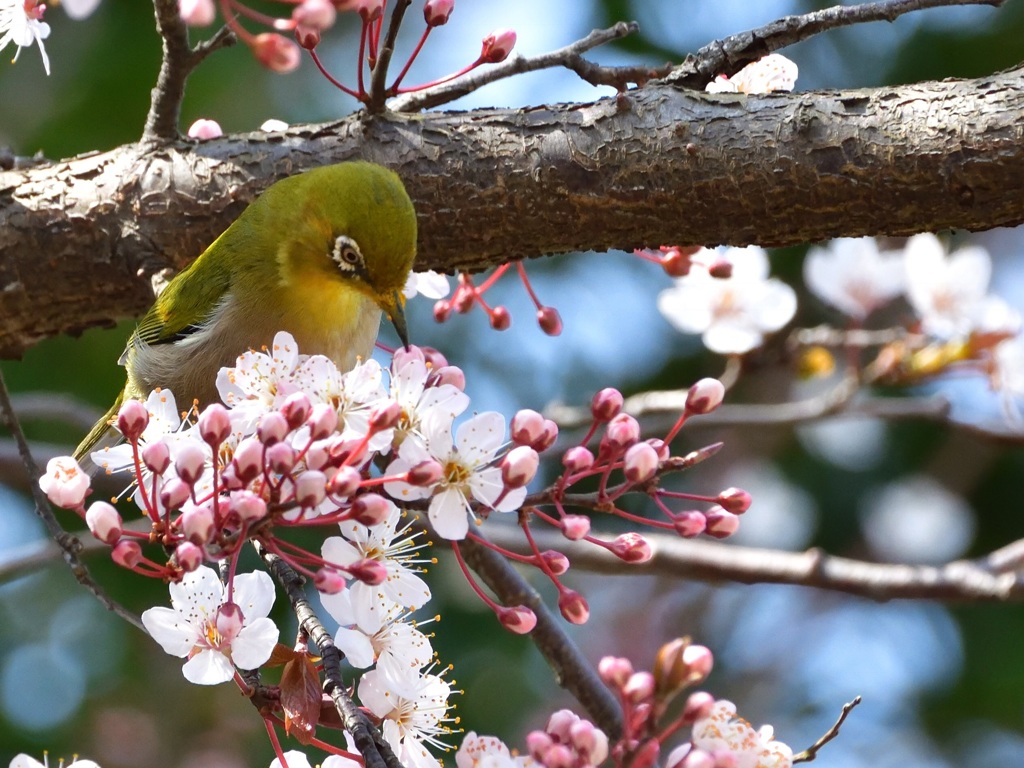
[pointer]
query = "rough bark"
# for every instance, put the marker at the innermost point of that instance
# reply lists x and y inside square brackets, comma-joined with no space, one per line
[662,164]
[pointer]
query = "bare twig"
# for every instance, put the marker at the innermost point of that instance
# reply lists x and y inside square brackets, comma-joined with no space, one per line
[371,746]
[730,54]
[993,578]
[569,57]
[378,79]
[70,546]
[812,751]
[572,671]
[177,63]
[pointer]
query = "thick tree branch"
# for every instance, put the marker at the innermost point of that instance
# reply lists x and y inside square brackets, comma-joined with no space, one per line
[661,165]
[995,577]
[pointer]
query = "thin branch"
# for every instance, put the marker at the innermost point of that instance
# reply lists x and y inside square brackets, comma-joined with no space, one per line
[812,751]
[375,751]
[70,546]
[378,80]
[569,57]
[992,578]
[177,63]
[572,670]
[730,54]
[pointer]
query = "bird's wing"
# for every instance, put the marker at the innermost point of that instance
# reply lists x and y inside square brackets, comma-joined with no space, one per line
[184,307]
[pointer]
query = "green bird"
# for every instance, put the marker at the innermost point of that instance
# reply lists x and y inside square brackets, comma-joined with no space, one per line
[319,255]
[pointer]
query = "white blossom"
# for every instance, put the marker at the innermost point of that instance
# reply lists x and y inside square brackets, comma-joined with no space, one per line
[722,731]
[851,275]
[772,73]
[21,23]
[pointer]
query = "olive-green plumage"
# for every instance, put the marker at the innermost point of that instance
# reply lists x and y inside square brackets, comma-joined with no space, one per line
[318,255]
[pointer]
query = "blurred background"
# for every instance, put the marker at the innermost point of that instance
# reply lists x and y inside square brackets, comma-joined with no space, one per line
[942,685]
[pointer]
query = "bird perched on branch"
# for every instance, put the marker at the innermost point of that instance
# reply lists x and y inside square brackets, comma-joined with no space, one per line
[319,255]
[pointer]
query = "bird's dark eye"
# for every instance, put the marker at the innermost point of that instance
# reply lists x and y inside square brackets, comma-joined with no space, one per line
[346,254]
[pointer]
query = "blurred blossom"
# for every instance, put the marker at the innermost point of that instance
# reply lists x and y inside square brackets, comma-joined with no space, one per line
[782,515]
[772,73]
[79,9]
[852,444]
[732,314]
[1008,376]
[950,292]
[916,520]
[430,284]
[852,276]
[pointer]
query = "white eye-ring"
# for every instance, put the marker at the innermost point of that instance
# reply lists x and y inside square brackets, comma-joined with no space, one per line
[346,254]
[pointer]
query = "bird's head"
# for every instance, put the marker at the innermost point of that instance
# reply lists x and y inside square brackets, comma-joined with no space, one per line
[352,224]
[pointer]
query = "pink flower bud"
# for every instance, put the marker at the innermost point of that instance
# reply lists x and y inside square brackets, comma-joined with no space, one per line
[65,483]
[316,14]
[329,581]
[677,261]
[631,548]
[640,462]
[559,756]
[157,457]
[698,706]
[573,606]
[615,671]
[307,37]
[197,13]
[725,758]
[369,10]
[214,424]
[547,437]
[132,420]
[126,553]
[317,456]
[436,12]
[323,420]
[344,482]
[575,527]
[560,723]
[190,462]
[428,472]
[203,129]
[720,269]
[280,458]
[405,356]
[296,409]
[606,404]
[549,321]
[371,509]
[578,459]
[660,447]
[639,687]
[623,431]
[537,744]
[248,459]
[519,466]
[276,52]
[248,506]
[518,619]
[385,416]
[348,452]
[705,396]
[104,522]
[527,425]
[369,572]
[173,493]
[442,310]
[272,428]
[501,319]
[556,562]
[197,523]
[699,661]
[721,524]
[188,555]
[735,500]
[497,46]
[690,524]
[310,488]
[229,621]
[448,374]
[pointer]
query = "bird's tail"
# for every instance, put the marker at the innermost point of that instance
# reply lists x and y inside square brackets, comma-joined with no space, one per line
[101,435]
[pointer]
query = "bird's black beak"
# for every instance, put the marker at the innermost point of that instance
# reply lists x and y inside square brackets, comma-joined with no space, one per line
[396,313]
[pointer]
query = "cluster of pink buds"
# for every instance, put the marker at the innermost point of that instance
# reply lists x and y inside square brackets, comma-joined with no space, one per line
[645,698]
[468,294]
[678,260]
[569,741]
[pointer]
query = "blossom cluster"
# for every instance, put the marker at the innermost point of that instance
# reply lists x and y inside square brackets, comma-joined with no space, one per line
[718,738]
